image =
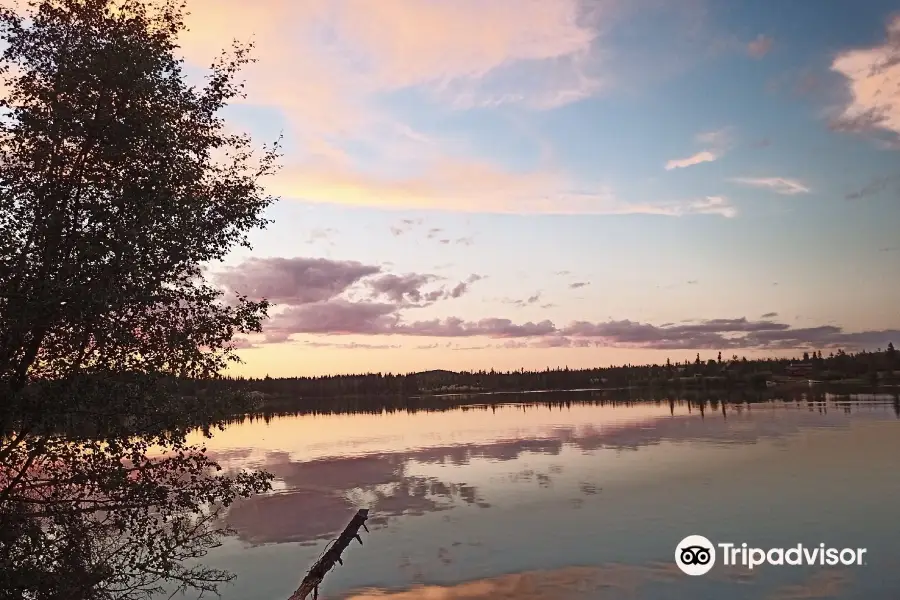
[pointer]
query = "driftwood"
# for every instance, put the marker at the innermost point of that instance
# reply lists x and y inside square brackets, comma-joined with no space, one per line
[332,555]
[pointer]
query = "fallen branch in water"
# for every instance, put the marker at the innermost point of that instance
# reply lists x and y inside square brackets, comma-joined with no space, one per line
[332,555]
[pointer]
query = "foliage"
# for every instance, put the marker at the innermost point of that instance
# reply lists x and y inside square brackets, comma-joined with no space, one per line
[733,373]
[118,183]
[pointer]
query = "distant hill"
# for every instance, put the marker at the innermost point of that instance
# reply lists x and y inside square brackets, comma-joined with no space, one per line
[436,373]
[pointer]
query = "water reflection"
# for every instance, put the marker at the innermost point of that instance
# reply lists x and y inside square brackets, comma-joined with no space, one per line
[316,495]
[565,500]
[617,581]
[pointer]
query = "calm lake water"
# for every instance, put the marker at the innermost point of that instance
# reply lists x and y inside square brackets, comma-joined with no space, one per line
[579,502]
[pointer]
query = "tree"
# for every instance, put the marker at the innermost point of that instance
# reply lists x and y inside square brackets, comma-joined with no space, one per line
[118,183]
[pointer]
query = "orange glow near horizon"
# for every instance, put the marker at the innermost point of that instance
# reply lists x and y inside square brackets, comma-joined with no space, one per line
[294,360]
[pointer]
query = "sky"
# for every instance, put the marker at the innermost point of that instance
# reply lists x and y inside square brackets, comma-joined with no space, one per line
[477,184]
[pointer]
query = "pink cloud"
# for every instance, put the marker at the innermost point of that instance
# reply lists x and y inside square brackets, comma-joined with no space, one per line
[872,77]
[690,161]
[326,65]
[759,47]
[324,61]
[717,143]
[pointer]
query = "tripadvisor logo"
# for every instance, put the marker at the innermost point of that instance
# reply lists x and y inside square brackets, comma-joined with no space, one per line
[696,555]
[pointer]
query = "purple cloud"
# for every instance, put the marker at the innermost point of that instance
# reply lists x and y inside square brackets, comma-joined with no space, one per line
[563,342]
[352,346]
[463,286]
[455,327]
[336,317]
[293,281]
[317,294]
[339,317]
[400,287]
[241,343]
[302,281]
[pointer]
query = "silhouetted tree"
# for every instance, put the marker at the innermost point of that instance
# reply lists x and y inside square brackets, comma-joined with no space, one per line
[118,182]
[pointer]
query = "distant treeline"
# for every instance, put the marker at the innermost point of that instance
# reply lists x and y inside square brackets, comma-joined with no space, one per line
[865,369]
[695,400]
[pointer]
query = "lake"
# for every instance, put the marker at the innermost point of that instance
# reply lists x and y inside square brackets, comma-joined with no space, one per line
[584,501]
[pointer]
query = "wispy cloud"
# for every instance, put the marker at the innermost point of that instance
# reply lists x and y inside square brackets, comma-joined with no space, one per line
[719,139]
[717,143]
[405,226]
[351,345]
[690,161]
[873,188]
[465,186]
[872,77]
[579,284]
[759,47]
[314,53]
[779,185]
[711,205]
[533,299]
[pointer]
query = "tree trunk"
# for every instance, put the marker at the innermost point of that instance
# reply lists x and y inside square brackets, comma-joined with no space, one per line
[310,583]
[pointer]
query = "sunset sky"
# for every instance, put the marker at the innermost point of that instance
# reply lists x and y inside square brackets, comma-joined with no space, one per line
[472,184]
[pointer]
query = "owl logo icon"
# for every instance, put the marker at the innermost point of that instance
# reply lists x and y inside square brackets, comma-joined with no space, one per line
[695,555]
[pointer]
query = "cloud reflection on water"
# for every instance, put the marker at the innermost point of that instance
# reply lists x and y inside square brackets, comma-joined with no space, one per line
[317,497]
[599,583]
